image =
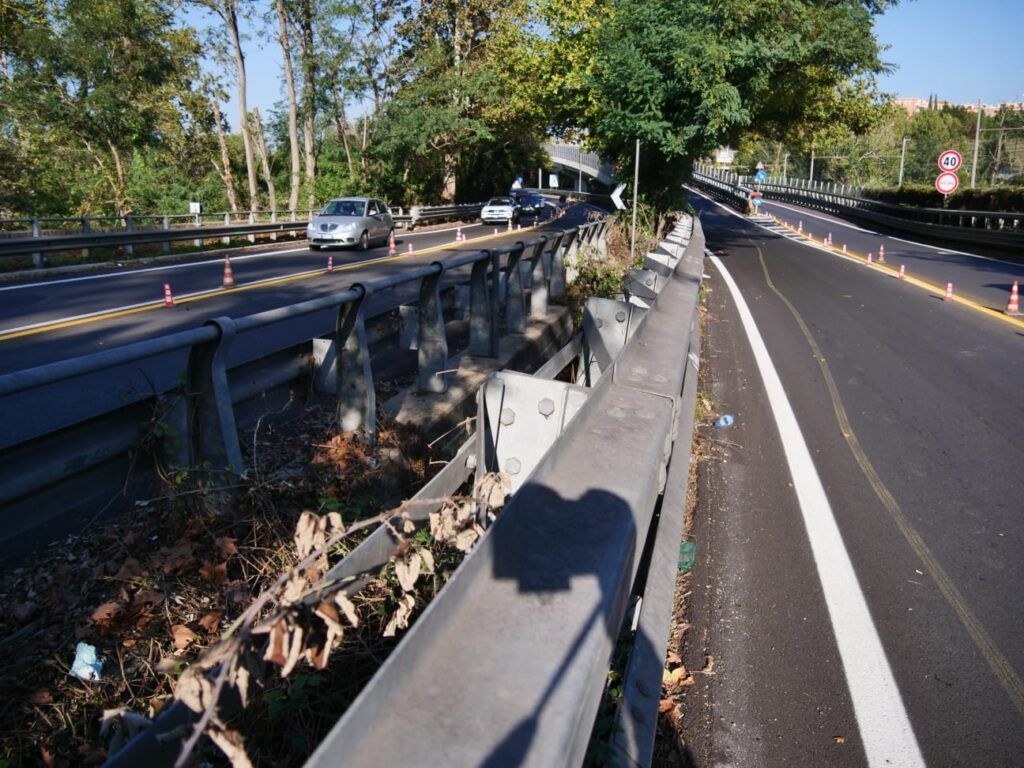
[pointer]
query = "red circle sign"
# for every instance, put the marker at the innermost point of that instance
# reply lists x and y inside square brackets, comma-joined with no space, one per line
[947,183]
[950,161]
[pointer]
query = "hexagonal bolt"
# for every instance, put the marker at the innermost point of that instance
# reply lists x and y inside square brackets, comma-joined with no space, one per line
[513,466]
[649,282]
[620,316]
[599,322]
[507,416]
[546,407]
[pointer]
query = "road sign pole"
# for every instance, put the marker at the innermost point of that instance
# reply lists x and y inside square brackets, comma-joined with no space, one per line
[636,182]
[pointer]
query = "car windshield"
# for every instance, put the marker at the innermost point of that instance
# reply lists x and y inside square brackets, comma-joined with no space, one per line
[500,201]
[344,208]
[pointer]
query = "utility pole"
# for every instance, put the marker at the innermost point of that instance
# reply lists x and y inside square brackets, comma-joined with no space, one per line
[785,166]
[977,140]
[811,176]
[636,182]
[903,157]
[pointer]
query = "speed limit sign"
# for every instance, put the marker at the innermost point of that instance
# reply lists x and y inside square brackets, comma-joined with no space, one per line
[947,182]
[950,161]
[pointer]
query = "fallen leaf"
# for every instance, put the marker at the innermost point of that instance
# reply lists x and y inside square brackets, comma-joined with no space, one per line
[148,597]
[709,666]
[226,546]
[130,569]
[211,621]
[673,658]
[348,608]
[236,591]
[183,636]
[428,559]
[665,706]
[172,559]
[105,614]
[493,488]
[40,697]
[128,642]
[407,573]
[232,745]
[215,574]
[839,739]
[277,647]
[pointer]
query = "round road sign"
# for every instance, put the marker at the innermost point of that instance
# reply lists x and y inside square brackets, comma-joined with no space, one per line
[950,160]
[947,183]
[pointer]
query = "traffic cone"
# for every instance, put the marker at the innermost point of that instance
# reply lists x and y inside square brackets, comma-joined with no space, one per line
[949,292]
[229,277]
[391,245]
[799,226]
[1013,305]
[330,263]
[844,247]
[519,227]
[871,259]
[881,254]
[495,230]
[410,248]
[458,234]
[168,297]
[830,238]
[510,225]
[903,271]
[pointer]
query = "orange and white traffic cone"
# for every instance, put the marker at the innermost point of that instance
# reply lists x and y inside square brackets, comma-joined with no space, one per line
[510,225]
[391,245]
[410,248]
[881,254]
[1013,305]
[458,234]
[168,296]
[844,247]
[829,238]
[229,276]
[799,226]
[949,292]
[330,263]
[871,259]
[903,271]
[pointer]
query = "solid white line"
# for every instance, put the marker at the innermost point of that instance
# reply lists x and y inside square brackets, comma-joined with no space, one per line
[830,220]
[881,717]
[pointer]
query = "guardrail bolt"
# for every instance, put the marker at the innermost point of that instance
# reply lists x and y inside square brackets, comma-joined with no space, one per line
[599,322]
[546,407]
[620,316]
[513,466]
[507,416]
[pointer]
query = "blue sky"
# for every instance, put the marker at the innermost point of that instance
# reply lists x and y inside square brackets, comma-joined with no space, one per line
[962,50]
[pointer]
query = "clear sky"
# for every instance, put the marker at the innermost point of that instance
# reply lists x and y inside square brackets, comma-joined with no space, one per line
[961,50]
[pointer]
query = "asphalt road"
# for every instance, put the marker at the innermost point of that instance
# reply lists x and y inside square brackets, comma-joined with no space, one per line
[912,412]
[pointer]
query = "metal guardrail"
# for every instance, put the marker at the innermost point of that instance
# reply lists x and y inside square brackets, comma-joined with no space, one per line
[200,408]
[419,214]
[517,645]
[999,228]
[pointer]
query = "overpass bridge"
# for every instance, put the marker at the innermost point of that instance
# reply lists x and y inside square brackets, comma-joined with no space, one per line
[583,165]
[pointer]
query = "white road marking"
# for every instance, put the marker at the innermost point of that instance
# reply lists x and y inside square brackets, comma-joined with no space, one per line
[882,719]
[805,212]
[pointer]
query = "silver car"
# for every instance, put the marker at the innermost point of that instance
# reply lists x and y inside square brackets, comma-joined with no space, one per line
[503,209]
[357,221]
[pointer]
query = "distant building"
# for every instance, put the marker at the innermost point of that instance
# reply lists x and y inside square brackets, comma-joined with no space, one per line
[913,104]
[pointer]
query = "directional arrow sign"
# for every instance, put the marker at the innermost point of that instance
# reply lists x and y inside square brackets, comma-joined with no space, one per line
[617,199]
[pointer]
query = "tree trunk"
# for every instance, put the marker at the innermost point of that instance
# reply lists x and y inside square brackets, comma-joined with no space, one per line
[120,188]
[304,24]
[261,150]
[341,125]
[231,20]
[293,108]
[225,158]
[999,148]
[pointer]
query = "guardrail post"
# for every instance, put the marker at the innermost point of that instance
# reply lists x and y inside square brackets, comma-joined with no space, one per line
[539,280]
[227,223]
[484,307]
[213,434]
[432,354]
[273,220]
[556,269]
[515,301]
[357,399]
[414,216]
[252,220]
[165,246]
[38,261]
[129,225]
[85,231]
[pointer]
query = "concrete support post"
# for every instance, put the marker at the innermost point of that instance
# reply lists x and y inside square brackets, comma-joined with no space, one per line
[432,352]
[515,301]
[484,307]
[357,399]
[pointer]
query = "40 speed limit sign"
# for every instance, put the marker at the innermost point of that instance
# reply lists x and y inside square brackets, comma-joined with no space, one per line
[950,161]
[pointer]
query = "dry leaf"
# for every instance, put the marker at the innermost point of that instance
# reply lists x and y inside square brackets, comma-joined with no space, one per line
[277,648]
[709,666]
[294,651]
[408,526]
[493,488]
[839,739]
[215,574]
[466,538]
[183,636]
[407,573]
[40,697]
[148,597]
[309,533]
[128,642]
[130,569]
[427,557]
[226,546]
[331,618]
[665,706]
[211,621]
[106,613]
[232,745]
[673,658]
[348,608]
[400,618]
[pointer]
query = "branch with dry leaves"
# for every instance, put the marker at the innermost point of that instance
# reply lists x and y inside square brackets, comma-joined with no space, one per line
[304,616]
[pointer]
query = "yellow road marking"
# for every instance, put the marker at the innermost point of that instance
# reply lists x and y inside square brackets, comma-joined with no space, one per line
[217,292]
[936,289]
[1000,665]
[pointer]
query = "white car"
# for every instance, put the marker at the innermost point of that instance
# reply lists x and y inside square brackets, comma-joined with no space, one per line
[500,209]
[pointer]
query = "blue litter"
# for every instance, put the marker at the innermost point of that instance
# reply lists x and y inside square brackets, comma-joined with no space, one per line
[724,421]
[86,666]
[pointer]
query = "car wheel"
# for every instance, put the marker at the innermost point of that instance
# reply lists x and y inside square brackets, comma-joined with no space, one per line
[364,241]
[314,247]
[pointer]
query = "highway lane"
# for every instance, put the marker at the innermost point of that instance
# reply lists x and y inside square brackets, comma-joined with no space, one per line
[45,311]
[912,413]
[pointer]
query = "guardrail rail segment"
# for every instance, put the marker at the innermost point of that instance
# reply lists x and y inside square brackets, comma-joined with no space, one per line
[999,228]
[507,664]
